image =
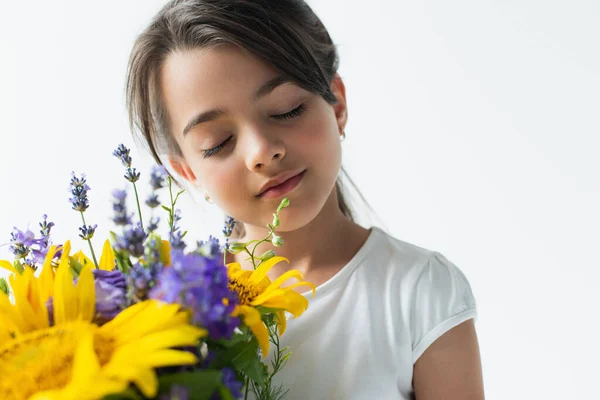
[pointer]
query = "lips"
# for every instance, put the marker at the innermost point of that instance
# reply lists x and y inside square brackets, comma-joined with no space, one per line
[281,184]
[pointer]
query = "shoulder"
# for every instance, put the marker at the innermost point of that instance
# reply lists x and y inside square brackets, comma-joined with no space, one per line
[431,293]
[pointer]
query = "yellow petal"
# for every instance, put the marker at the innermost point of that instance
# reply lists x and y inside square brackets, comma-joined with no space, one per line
[145,379]
[107,260]
[281,322]
[46,278]
[179,336]
[284,277]
[166,358]
[27,300]
[8,266]
[66,248]
[11,321]
[86,294]
[261,272]
[303,283]
[165,253]
[65,295]
[254,322]
[265,296]
[85,361]
[153,316]
[83,259]
[298,303]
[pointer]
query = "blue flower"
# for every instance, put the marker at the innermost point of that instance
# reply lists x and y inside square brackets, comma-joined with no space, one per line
[152,200]
[229,225]
[121,217]
[153,225]
[122,153]
[87,231]
[210,248]
[175,235]
[24,244]
[111,291]
[201,284]
[157,177]
[131,175]
[79,189]
[231,382]
[132,240]
[141,280]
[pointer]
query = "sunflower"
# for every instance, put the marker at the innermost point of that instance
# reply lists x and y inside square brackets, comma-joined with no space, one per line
[255,289]
[107,259]
[75,358]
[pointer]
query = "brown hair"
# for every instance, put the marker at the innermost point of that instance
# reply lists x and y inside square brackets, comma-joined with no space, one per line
[285,33]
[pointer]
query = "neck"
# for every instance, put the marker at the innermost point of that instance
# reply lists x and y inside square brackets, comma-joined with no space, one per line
[319,249]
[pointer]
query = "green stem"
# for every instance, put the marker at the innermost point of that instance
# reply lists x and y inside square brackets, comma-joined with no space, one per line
[137,200]
[90,243]
[247,387]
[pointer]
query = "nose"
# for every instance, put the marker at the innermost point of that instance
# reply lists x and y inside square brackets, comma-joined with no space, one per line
[264,151]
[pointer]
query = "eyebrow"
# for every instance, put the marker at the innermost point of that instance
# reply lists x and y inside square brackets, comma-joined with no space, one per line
[211,115]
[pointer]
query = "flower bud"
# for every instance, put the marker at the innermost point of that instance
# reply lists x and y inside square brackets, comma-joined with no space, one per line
[236,247]
[277,241]
[275,220]
[267,255]
[284,203]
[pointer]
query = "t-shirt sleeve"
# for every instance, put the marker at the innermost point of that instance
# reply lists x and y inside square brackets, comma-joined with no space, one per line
[442,299]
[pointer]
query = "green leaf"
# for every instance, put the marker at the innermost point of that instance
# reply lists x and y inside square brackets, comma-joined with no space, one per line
[225,393]
[248,361]
[201,384]
[4,286]
[75,266]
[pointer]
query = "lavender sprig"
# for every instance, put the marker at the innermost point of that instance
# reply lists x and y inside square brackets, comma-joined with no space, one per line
[175,235]
[79,201]
[131,175]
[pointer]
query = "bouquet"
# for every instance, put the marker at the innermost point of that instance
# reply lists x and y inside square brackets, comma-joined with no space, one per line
[147,318]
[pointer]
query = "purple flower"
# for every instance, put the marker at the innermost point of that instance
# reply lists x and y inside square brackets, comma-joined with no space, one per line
[87,231]
[122,153]
[79,189]
[111,291]
[141,280]
[211,248]
[132,240]
[24,244]
[121,217]
[131,175]
[175,235]
[153,225]
[157,177]
[200,284]
[229,225]
[152,200]
[231,382]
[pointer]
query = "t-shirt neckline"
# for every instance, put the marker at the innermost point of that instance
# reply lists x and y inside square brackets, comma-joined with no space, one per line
[347,269]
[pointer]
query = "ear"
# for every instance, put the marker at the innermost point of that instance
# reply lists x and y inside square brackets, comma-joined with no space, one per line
[183,169]
[340,109]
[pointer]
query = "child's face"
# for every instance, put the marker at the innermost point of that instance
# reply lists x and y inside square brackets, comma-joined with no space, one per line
[256,144]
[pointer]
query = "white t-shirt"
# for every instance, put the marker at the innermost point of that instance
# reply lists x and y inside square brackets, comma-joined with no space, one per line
[367,325]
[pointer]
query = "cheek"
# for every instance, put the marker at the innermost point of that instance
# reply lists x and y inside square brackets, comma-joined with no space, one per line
[321,142]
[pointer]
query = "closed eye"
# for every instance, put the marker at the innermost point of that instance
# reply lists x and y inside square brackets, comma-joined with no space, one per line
[292,114]
[211,152]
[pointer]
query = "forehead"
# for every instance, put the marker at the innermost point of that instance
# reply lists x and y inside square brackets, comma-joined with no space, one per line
[218,73]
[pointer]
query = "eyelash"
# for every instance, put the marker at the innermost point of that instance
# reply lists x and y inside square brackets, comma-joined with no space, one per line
[289,115]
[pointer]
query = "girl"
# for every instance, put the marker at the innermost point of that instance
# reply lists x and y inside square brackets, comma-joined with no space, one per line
[242,99]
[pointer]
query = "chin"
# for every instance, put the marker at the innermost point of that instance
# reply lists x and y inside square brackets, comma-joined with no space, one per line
[301,212]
